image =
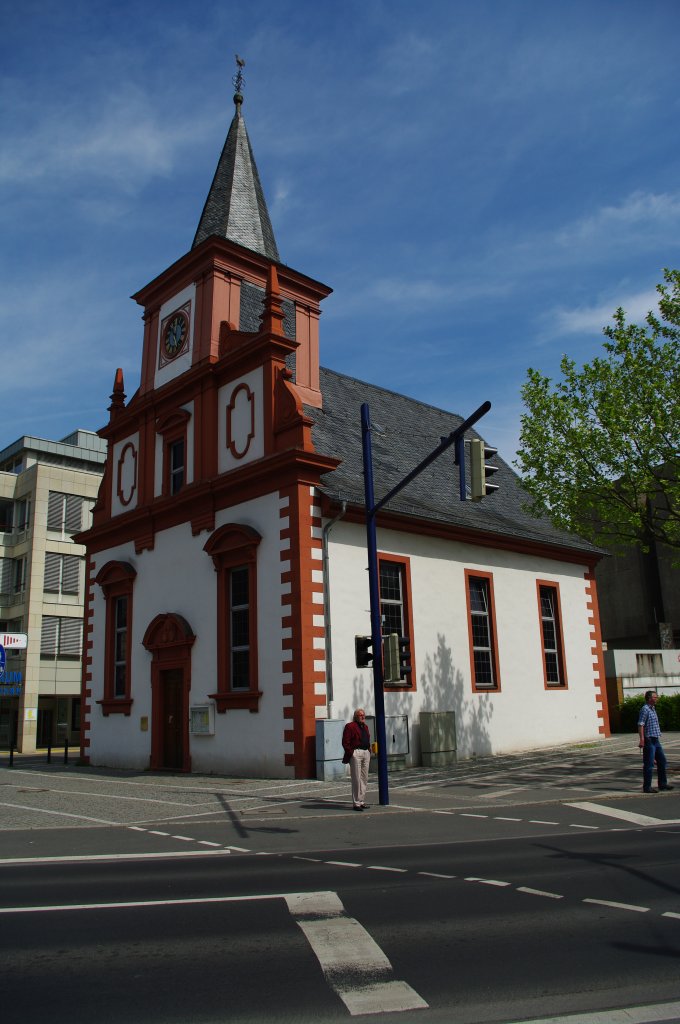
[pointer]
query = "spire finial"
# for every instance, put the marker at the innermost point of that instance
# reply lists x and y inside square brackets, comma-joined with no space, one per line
[238,82]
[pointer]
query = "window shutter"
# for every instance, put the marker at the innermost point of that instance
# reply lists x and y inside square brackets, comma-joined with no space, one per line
[71,638]
[71,574]
[52,572]
[5,575]
[55,511]
[74,513]
[48,636]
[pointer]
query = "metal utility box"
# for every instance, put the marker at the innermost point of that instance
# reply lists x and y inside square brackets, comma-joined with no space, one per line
[329,750]
[438,738]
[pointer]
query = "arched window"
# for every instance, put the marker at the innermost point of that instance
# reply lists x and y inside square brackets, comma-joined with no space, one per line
[117,580]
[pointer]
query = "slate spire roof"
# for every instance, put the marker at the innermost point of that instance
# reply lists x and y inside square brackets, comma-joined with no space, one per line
[236,207]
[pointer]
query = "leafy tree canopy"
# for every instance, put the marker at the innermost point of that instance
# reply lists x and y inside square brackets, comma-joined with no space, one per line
[600,448]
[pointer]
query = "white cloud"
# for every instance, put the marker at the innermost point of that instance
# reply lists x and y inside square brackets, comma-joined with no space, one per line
[588,319]
[639,213]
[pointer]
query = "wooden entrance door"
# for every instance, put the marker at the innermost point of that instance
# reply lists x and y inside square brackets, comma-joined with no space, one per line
[172,689]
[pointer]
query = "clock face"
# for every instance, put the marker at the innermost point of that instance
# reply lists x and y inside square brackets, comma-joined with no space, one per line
[175,334]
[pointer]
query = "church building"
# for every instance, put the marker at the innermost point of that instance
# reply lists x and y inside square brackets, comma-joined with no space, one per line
[226,561]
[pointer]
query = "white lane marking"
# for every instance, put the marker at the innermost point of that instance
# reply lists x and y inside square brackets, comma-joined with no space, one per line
[629,1015]
[380,867]
[671,913]
[434,874]
[539,892]
[103,857]
[312,860]
[487,881]
[237,849]
[497,817]
[444,812]
[115,796]
[155,832]
[343,863]
[185,839]
[60,814]
[134,904]
[349,956]
[616,812]
[537,821]
[137,828]
[590,827]
[465,814]
[618,906]
[206,842]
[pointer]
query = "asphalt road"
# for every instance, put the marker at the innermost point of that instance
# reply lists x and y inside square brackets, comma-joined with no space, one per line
[499,891]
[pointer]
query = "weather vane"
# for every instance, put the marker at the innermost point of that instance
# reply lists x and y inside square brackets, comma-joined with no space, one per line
[238,80]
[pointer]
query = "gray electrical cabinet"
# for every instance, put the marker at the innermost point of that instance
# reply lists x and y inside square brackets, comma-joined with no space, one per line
[438,738]
[329,750]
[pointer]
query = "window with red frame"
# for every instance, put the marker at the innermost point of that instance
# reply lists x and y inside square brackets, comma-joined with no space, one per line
[116,580]
[233,549]
[395,606]
[482,631]
[551,634]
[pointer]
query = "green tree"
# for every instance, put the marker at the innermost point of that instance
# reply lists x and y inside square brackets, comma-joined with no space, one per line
[600,448]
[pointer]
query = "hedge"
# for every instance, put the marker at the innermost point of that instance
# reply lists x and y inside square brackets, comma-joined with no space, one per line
[667,708]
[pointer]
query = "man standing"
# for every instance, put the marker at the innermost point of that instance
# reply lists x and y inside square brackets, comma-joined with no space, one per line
[650,744]
[356,742]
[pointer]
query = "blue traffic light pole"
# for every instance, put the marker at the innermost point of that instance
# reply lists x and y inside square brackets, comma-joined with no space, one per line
[456,437]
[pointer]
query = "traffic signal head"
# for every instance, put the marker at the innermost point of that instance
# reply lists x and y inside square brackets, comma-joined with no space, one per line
[480,470]
[404,656]
[391,672]
[363,651]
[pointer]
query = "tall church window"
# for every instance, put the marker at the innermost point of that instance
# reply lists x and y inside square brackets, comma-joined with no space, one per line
[552,645]
[116,580]
[233,549]
[482,631]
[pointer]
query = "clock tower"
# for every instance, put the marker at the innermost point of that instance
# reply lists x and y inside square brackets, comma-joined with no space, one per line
[205,598]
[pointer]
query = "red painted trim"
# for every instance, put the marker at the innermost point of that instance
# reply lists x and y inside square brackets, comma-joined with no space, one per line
[119,482]
[561,656]
[250,398]
[599,671]
[478,573]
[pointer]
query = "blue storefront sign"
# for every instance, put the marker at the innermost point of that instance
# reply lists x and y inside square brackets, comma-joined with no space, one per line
[10,682]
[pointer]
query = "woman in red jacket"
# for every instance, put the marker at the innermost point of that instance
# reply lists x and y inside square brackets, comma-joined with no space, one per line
[356,741]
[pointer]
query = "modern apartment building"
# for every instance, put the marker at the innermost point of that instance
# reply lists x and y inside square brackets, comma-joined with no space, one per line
[47,490]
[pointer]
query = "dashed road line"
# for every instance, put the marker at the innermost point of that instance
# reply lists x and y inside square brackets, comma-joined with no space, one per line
[618,906]
[539,892]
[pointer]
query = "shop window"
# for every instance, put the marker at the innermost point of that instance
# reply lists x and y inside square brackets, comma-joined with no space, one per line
[482,631]
[233,549]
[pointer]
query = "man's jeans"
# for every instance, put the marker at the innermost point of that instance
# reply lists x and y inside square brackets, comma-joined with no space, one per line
[653,751]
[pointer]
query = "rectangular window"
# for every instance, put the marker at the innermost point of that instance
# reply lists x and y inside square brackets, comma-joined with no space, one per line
[239,604]
[551,634]
[61,637]
[62,573]
[19,582]
[482,631]
[395,606]
[6,515]
[64,513]
[6,576]
[176,465]
[120,646]
[22,515]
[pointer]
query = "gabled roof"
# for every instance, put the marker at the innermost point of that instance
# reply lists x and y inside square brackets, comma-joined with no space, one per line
[236,207]
[404,431]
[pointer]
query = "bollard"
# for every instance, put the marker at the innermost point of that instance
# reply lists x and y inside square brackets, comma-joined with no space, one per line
[65,751]
[49,751]
[11,754]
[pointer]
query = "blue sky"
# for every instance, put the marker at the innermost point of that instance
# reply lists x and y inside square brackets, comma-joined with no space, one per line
[481,183]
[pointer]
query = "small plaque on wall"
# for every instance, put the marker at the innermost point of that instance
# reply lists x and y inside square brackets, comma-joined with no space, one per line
[202,720]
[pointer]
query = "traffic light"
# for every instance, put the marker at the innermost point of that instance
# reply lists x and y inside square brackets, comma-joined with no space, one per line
[405,667]
[363,651]
[480,470]
[396,658]
[391,670]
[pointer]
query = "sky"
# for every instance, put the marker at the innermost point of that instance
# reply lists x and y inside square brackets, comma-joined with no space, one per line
[481,183]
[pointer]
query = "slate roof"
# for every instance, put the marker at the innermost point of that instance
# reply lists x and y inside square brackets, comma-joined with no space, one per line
[404,432]
[236,207]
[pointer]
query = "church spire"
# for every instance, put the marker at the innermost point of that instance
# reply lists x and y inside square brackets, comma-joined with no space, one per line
[236,207]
